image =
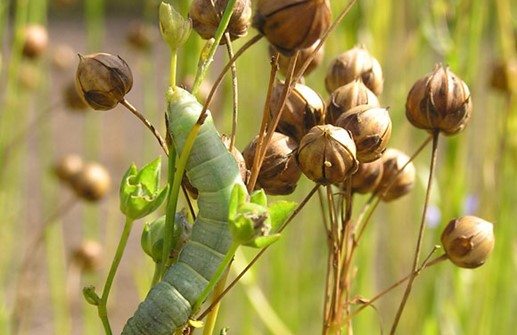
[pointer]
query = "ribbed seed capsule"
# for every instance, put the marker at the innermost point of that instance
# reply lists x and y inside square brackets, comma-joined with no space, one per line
[290,25]
[347,96]
[92,182]
[303,55]
[206,15]
[468,241]
[371,130]
[279,173]
[439,101]
[395,184]
[367,177]
[356,63]
[103,80]
[303,110]
[327,155]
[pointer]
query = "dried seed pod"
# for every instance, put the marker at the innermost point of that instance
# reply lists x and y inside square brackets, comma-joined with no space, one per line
[356,63]
[73,99]
[279,172]
[503,76]
[303,110]
[347,96]
[241,163]
[103,80]
[67,167]
[92,182]
[371,130]
[468,241]
[367,177]
[439,101]
[88,256]
[303,55]
[63,57]
[35,41]
[327,155]
[290,25]
[141,35]
[393,184]
[206,15]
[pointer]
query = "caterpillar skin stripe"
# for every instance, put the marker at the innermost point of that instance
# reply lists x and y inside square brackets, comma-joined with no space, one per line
[213,171]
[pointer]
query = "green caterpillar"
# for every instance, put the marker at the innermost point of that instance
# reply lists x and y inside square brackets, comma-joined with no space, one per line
[214,172]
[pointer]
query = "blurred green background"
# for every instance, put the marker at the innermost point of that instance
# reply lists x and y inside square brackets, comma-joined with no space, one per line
[476,173]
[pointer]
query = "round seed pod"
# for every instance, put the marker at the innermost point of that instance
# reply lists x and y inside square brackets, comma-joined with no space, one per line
[103,80]
[88,256]
[92,182]
[35,41]
[327,155]
[356,63]
[345,97]
[303,110]
[371,130]
[468,241]
[303,55]
[393,184]
[367,177]
[63,57]
[439,101]
[503,73]
[279,173]
[290,25]
[206,15]
[141,35]
[68,167]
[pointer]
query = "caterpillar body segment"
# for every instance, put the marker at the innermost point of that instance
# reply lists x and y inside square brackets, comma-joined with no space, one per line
[214,172]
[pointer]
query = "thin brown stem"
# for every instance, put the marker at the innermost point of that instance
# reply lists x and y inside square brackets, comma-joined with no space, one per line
[235,91]
[436,134]
[148,124]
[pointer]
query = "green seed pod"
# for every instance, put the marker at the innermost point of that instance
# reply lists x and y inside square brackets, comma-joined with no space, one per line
[92,182]
[347,96]
[303,110]
[103,80]
[303,55]
[468,241]
[327,155]
[206,15]
[371,130]
[279,173]
[367,177]
[439,101]
[290,25]
[393,184]
[356,63]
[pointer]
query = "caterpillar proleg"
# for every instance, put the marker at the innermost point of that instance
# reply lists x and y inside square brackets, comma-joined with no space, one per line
[214,172]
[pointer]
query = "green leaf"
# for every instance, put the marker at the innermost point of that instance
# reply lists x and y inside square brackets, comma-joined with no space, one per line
[238,197]
[259,197]
[279,212]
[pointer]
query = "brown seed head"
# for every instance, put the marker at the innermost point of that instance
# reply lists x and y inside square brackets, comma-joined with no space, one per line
[141,36]
[347,96]
[279,173]
[290,25]
[371,130]
[92,182]
[303,110]
[327,154]
[397,184]
[304,54]
[439,101]
[468,241]
[504,76]
[103,79]
[35,41]
[206,15]
[356,63]
[367,177]
[88,256]
[68,167]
